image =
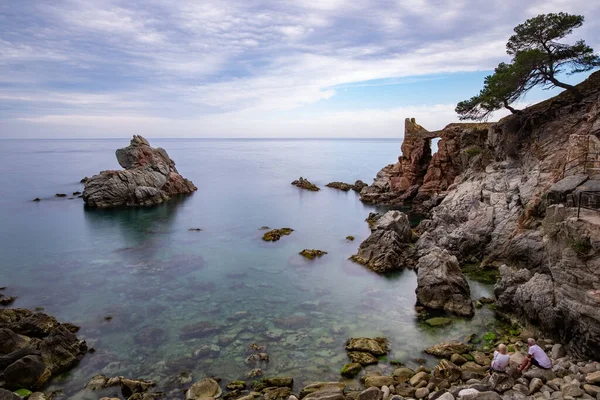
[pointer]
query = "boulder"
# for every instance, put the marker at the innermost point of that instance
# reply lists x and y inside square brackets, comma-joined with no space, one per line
[324,389]
[418,377]
[458,359]
[28,372]
[362,358]
[378,381]
[149,178]
[203,389]
[593,378]
[544,374]
[447,349]
[62,350]
[560,190]
[558,351]
[535,385]
[11,341]
[371,393]
[311,254]
[421,392]
[276,234]
[442,285]
[388,248]
[340,185]
[500,382]
[403,374]
[572,390]
[592,390]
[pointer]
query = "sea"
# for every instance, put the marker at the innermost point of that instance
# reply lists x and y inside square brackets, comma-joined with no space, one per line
[139,280]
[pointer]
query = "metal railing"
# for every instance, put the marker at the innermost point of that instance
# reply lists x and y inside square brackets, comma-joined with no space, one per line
[589,161]
[589,205]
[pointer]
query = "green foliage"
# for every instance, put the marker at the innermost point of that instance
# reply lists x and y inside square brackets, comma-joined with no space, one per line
[489,337]
[473,151]
[537,59]
[23,393]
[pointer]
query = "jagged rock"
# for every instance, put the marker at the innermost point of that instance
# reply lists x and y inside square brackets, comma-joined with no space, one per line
[388,248]
[203,389]
[305,184]
[500,382]
[359,186]
[441,284]
[11,341]
[447,349]
[149,178]
[362,358]
[129,387]
[377,346]
[447,370]
[311,254]
[560,190]
[276,234]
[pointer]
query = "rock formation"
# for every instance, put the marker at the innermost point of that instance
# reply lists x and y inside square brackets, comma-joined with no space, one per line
[305,184]
[149,178]
[388,248]
[488,203]
[441,284]
[34,347]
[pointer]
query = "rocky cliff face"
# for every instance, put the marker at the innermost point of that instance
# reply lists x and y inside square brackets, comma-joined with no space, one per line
[488,186]
[149,178]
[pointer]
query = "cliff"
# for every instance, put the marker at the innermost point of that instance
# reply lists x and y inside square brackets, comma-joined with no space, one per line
[487,193]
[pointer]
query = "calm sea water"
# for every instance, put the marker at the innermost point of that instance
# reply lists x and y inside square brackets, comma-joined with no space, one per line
[154,277]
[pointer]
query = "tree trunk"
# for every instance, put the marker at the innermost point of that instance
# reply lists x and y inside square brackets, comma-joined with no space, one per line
[512,110]
[570,88]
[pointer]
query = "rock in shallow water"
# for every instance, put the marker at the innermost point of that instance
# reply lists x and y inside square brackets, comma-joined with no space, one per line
[442,285]
[149,178]
[206,388]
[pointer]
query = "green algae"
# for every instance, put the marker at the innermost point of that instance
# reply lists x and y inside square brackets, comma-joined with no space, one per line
[473,271]
[23,393]
[438,321]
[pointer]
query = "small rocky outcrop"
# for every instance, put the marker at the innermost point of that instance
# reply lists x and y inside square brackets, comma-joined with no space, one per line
[149,178]
[6,300]
[276,234]
[311,254]
[357,186]
[305,184]
[441,284]
[388,248]
[365,351]
[34,347]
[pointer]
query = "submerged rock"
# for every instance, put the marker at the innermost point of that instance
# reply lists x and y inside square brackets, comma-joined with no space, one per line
[149,178]
[312,254]
[206,388]
[388,248]
[447,349]
[377,346]
[351,370]
[198,330]
[442,285]
[276,234]
[305,184]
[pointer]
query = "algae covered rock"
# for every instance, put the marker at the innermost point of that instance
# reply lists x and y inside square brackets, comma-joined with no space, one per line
[438,321]
[351,370]
[311,254]
[350,238]
[362,358]
[305,184]
[276,234]
[377,346]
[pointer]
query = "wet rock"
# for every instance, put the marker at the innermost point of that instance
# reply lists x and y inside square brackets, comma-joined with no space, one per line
[37,199]
[340,185]
[447,370]
[37,325]
[60,195]
[372,218]
[305,184]
[377,346]
[129,387]
[362,358]
[11,341]
[438,321]
[359,185]
[350,238]
[311,254]
[203,389]
[371,393]
[27,372]
[442,285]
[276,234]
[207,351]
[418,378]
[351,370]
[198,330]
[264,383]
[447,349]
[150,336]
[149,178]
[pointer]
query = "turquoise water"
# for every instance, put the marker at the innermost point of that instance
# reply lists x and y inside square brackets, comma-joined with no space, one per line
[153,277]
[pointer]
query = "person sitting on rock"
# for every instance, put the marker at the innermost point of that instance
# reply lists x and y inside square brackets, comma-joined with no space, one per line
[500,361]
[535,356]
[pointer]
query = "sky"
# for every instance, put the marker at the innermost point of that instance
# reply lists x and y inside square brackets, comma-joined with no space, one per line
[251,68]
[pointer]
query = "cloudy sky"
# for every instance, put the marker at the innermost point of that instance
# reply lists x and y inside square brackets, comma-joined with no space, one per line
[251,68]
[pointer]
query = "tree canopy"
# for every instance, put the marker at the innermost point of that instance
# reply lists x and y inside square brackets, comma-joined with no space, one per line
[537,60]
